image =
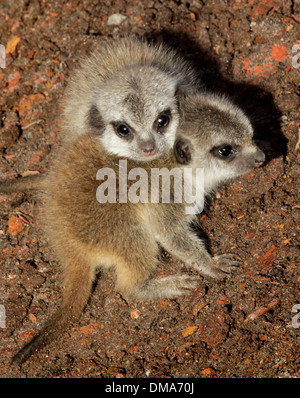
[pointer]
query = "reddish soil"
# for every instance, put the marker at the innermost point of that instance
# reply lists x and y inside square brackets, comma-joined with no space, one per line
[239,327]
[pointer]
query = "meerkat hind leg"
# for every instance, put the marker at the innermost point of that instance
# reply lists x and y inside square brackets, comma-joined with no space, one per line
[166,287]
[140,285]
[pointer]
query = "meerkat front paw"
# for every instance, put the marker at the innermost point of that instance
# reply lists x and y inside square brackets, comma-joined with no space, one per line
[220,266]
[226,263]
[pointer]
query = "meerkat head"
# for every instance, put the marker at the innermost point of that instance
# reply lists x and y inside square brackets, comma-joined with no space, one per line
[135,113]
[216,135]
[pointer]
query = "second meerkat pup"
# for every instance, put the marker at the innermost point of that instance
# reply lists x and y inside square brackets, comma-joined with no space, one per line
[125,92]
[213,134]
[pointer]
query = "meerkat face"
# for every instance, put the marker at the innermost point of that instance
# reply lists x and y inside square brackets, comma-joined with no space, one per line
[135,113]
[217,137]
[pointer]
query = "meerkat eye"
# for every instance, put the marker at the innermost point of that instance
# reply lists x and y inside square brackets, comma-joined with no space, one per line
[123,130]
[224,152]
[162,121]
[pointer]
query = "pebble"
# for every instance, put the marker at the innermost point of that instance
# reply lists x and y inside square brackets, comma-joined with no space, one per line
[115,19]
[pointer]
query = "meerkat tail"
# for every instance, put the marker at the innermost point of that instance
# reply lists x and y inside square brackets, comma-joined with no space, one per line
[24,184]
[75,296]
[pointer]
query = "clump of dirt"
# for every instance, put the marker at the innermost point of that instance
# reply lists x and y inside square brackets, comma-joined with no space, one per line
[239,327]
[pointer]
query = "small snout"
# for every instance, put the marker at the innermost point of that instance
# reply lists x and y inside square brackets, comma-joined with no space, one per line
[148,148]
[259,157]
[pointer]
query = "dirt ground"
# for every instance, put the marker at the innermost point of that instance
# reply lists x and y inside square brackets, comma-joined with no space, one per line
[241,327]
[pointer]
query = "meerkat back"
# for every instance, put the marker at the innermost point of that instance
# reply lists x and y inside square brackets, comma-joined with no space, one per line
[126,93]
[85,234]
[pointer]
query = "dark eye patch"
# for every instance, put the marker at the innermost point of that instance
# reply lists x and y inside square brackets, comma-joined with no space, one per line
[162,121]
[95,119]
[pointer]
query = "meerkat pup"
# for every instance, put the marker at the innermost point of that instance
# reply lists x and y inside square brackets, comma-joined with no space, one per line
[126,94]
[213,134]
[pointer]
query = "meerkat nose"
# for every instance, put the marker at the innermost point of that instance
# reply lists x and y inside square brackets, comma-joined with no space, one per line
[259,158]
[148,148]
[149,152]
[258,163]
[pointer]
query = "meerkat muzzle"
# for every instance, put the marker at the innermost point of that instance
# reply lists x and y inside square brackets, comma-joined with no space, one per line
[259,158]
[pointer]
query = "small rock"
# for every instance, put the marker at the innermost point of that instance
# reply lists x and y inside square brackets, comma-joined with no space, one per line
[12,45]
[189,330]
[267,260]
[135,314]
[250,234]
[208,372]
[32,317]
[15,225]
[213,328]
[115,19]
[198,307]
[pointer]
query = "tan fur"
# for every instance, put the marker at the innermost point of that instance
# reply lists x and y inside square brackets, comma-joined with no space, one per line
[85,234]
[25,184]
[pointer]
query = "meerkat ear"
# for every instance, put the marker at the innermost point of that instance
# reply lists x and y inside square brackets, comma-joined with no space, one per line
[183,151]
[95,119]
[180,96]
